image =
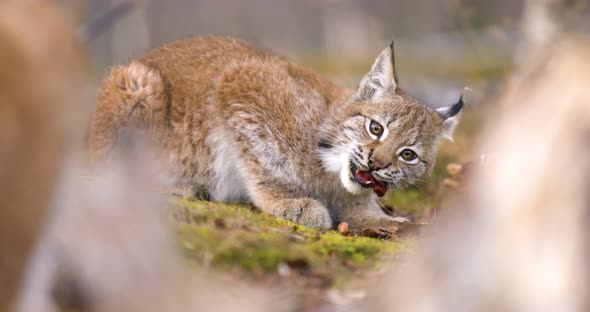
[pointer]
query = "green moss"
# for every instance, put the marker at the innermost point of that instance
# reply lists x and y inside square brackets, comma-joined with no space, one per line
[237,237]
[347,248]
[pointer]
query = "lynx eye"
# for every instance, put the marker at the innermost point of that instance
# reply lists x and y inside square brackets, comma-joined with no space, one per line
[375,128]
[408,155]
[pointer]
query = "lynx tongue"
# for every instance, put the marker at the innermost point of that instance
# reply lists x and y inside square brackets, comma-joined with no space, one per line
[366,179]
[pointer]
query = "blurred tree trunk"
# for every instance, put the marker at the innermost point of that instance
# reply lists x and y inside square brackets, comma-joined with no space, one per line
[348,30]
[130,35]
[541,24]
[127,37]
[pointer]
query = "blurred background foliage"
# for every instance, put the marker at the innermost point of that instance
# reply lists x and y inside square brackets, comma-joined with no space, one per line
[441,47]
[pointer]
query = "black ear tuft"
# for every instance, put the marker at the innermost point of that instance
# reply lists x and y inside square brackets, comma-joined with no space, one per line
[450,116]
[381,79]
[450,111]
[393,62]
[457,107]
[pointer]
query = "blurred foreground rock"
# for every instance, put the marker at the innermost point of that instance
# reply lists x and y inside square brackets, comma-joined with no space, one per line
[104,245]
[42,87]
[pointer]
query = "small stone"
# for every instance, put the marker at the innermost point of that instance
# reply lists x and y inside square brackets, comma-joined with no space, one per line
[454,169]
[189,245]
[343,228]
[283,269]
[448,182]
[345,296]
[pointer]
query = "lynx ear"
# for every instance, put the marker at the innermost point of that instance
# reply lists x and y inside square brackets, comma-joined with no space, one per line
[450,115]
[381,79]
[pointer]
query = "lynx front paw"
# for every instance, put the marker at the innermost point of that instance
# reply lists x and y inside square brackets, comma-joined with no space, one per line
[393,227]
[307,212]
[384,222]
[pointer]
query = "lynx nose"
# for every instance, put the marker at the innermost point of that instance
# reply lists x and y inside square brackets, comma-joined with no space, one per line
[375,163]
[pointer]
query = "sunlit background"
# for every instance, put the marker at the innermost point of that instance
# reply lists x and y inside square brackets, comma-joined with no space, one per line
[441,45]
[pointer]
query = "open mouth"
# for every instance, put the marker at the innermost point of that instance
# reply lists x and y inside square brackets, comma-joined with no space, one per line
[366,179]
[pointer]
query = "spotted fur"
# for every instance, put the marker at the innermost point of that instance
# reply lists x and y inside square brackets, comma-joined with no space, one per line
[245,124]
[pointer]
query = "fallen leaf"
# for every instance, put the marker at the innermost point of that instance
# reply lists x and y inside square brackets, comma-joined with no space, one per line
[299,264]
[220,223]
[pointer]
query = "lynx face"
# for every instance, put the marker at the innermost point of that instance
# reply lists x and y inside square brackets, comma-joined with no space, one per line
[382,138]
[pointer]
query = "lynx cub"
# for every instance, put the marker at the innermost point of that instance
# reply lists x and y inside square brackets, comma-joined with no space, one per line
[246,125]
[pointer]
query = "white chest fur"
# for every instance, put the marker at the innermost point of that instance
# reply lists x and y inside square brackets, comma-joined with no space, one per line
[229,179]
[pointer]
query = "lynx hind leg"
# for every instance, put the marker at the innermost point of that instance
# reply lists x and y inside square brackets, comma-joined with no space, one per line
[132,96]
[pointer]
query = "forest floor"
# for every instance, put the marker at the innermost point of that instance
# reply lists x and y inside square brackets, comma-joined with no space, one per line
[321,267]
